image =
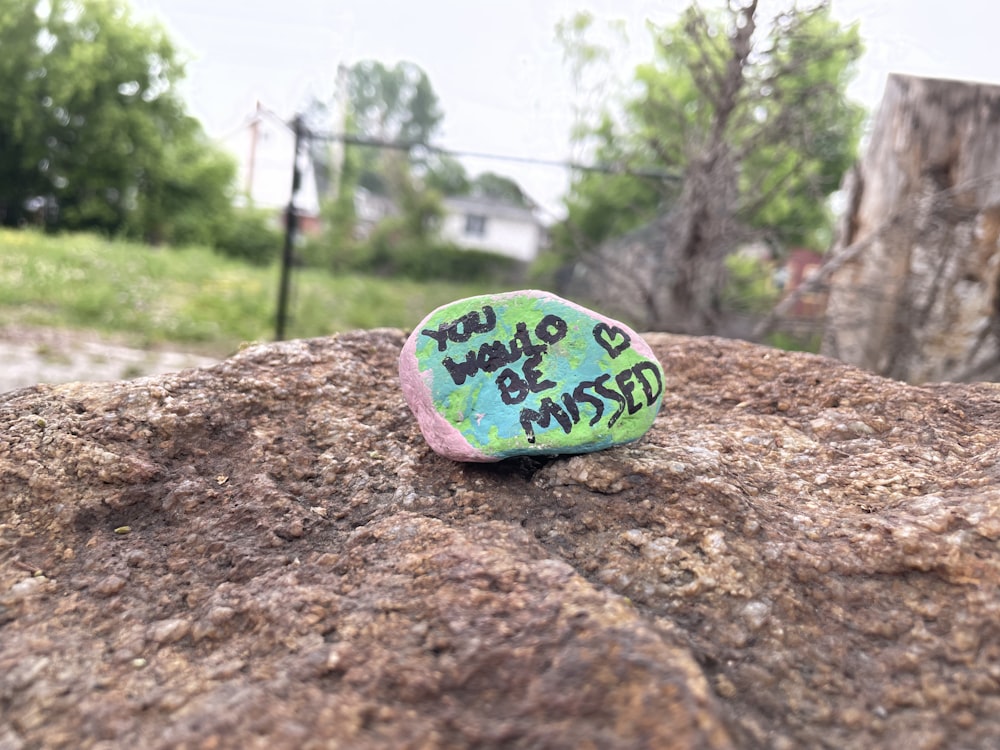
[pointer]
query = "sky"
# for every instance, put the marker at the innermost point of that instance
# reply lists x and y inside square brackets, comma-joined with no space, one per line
[497,68]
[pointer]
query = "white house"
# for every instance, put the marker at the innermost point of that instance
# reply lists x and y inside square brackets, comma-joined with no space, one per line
[264,147]
[370,208]
[483,223]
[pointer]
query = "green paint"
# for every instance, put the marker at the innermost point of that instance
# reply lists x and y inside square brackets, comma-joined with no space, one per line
[566,350]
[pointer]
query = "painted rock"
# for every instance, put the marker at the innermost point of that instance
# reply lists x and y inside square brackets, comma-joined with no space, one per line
[527,373]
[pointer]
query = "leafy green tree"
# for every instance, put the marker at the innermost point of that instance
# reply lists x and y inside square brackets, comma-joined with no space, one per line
[753,116]
[499,187]
[392,105]
[446,175]
[90,124]
[396,104]
[189,198]
[20,177]
[772,100]
[602,205]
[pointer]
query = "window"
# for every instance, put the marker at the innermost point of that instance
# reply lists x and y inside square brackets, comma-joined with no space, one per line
[475,225]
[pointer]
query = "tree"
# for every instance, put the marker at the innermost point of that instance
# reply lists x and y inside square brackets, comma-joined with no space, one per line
[20,176]
[90,124]
[498,187]
[446,175]
[188,198]
[601,206]
[754,119]
[392,105]
[396,104]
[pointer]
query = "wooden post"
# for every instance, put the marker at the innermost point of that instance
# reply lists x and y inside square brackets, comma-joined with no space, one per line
[291,227]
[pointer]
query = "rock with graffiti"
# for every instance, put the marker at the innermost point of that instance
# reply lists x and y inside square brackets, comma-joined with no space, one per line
[527,372]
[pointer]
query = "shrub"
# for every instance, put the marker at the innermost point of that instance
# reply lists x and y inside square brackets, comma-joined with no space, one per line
[750,286]
[252,236]
[391,253]
[431,260]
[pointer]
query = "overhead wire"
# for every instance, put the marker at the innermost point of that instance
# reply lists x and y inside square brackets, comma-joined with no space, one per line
[358,140]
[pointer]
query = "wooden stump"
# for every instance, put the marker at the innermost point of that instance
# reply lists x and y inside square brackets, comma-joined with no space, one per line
[915,292]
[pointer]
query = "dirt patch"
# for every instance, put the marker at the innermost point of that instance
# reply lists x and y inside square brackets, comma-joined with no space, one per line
[44,355]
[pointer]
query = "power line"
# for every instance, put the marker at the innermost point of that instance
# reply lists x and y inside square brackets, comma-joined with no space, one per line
[303,134]
[357,140]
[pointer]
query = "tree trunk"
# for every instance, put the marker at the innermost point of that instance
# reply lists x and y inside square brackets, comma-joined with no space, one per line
[670,275]
[690,271]
[920,301]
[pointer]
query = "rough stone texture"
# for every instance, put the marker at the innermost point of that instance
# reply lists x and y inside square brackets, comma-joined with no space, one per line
[267,554]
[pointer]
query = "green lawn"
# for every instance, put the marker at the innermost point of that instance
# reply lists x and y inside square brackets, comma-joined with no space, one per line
[192,298]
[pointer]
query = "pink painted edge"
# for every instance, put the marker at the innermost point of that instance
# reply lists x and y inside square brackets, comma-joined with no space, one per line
[442,436]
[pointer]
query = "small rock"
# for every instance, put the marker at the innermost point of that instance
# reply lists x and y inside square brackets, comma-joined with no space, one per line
[635,537]
[220,615]
[724,686]
[169,631]
[527,373]
[756,613]
[11,740]
[110,585]
[136,558]
[25,587]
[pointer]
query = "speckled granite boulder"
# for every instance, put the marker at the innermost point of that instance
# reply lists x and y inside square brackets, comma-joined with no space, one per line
[267,553]
[527,373]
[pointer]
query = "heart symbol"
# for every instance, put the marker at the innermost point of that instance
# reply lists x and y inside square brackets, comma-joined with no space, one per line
[606,336]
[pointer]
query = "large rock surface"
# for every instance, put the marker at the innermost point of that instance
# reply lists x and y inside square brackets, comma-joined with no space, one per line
[267,554]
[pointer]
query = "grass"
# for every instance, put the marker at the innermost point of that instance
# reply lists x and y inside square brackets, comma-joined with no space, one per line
[192,298]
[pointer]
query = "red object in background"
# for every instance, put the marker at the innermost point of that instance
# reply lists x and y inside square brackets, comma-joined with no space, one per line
[802,264]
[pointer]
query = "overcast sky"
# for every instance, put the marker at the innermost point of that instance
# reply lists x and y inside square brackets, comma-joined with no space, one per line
[496,67]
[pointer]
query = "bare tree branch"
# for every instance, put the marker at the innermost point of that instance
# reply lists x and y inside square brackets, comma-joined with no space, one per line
[843,257]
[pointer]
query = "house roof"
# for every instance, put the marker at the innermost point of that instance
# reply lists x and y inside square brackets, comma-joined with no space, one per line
[492,207]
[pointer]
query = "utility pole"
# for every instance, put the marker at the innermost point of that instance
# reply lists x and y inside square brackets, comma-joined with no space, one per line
[252,164]
[337,146]
[291,227]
